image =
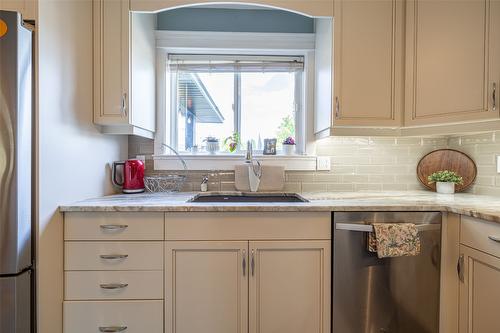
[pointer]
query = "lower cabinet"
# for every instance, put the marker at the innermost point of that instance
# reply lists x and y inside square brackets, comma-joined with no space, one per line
[479,292]
[479,272]
[247,286]
[206,287]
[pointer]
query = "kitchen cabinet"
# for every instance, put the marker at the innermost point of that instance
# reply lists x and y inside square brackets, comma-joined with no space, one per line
[479,292]
[261,286]
[208,271]
[124,69]
[271,284]
[368,63]
[206,287]
[27,8]
[113,272]
[289,286]
[452,61]
[479,270]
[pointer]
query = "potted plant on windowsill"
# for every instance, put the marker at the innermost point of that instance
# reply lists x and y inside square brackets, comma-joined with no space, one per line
[289,146]
[445,181]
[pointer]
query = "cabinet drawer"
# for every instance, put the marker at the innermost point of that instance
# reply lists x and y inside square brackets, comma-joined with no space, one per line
[248,225]
[91,317]
[113,285]
[113,256]
[113,226]
[481,235]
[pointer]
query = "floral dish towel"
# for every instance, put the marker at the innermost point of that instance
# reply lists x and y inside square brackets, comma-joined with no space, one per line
[394,240]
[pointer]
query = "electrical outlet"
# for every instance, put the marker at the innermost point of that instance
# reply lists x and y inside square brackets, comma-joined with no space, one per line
[323,163]
[498,163]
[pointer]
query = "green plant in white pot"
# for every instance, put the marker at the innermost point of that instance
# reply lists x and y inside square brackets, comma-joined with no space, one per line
[445,181]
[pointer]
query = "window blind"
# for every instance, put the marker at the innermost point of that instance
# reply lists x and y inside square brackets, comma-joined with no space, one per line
[197,63]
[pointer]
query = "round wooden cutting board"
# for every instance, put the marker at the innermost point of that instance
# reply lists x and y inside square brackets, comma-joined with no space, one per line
[447,159]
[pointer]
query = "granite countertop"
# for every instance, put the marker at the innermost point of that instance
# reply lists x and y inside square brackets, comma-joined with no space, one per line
[480,206]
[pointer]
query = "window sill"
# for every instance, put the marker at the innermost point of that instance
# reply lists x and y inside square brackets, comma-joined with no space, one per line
[227,162]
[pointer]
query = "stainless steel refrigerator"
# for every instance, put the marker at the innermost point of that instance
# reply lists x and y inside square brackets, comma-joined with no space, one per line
[16,259]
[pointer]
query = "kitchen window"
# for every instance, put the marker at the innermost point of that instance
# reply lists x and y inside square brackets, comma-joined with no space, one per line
[213,96]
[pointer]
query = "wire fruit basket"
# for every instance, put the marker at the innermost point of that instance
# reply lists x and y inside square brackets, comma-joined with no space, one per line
[164,183]
[167,183]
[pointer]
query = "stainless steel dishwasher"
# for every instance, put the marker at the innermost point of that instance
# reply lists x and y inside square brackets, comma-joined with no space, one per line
[391,295]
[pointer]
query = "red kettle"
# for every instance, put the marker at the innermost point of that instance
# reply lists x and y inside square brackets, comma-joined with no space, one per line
[133,176]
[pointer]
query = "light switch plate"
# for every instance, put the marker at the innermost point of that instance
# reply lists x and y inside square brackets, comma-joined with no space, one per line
[498,163]
[323,163]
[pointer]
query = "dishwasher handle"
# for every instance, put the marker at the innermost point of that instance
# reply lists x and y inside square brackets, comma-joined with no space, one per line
[369,228]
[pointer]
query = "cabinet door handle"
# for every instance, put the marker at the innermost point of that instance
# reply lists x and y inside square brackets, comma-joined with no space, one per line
[494,238]
[494,96]
[124,105]
[113,256]
[252,263]
[114,227]
[112,328]
[244,265]
[113,286]
[337,107]
[460,268]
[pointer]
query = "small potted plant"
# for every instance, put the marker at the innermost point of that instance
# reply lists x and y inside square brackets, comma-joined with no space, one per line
[212,144]
[232,142]
[445,181]
[289,146]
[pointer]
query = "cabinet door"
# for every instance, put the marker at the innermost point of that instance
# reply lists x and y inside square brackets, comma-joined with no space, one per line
[206,287]
[289,286]
[452,50]
[25,7]
[368,71]
[111,47]
[479,292]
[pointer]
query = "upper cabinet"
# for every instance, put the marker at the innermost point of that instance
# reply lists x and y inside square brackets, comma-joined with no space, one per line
[308,7]
[124,69]
[27,8]
[452,61]
[368,63]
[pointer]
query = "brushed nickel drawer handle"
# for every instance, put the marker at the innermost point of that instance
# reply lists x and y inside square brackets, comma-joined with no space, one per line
[114,227]
[244,262]
[113,256]
[112,328]
[495,238]
[113,286]
[252,262]
[460,267]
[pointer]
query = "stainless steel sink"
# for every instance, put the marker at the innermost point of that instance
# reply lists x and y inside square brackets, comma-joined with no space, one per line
[247,197]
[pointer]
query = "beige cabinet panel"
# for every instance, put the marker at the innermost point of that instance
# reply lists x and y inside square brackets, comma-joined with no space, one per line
[452,60]
[479,292]
[113,256]
[111,20]
[124,69]
[309,7]
[25,7]
[368,57]
[289,286]
[113,226]
[134,316]
[104,285]
[206,287]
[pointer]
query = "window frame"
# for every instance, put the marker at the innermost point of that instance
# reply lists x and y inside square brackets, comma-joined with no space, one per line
[299,44]
[299,111]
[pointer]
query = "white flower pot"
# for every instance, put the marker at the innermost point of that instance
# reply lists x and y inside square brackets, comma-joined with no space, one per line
[288,149]
[445,187]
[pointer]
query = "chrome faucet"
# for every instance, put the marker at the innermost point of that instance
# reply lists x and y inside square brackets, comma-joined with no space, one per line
[254,170]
